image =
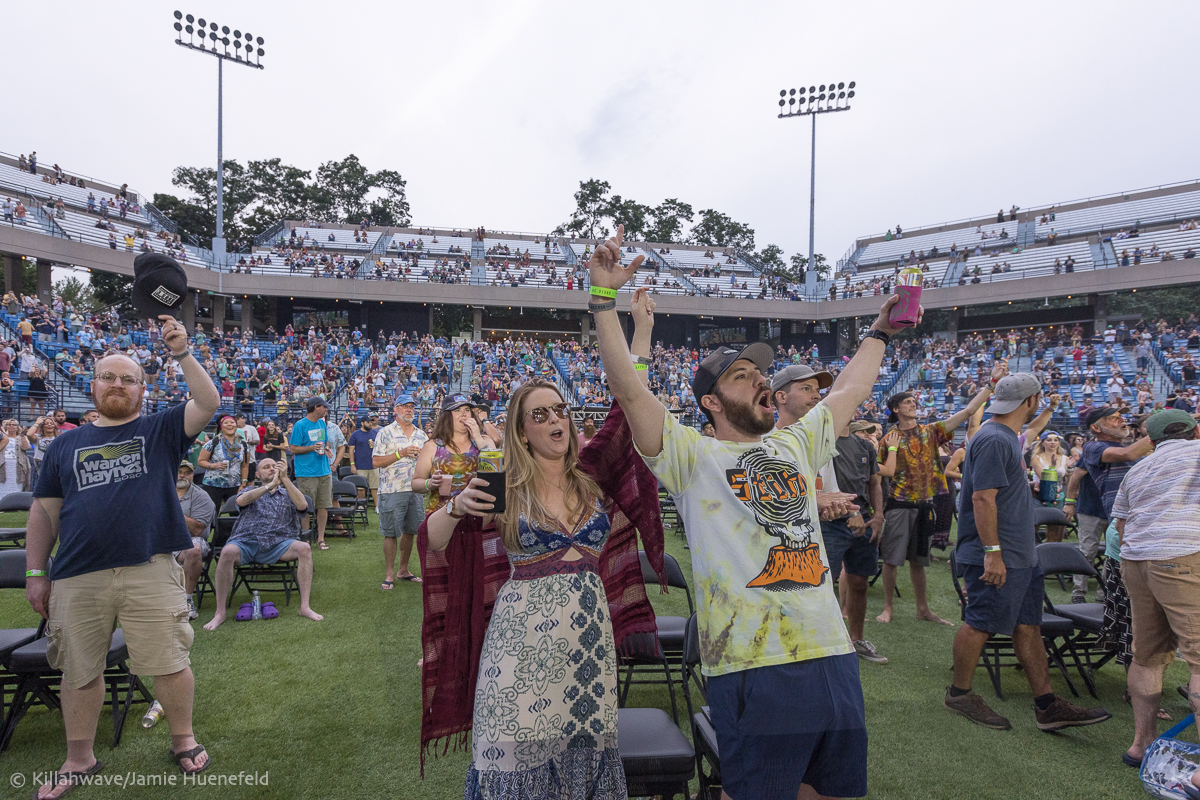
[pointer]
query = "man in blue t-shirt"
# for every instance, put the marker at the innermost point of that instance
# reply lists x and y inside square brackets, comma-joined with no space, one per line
[1095,481]
[118,567]
[310,446]
[363,443]
[997,557]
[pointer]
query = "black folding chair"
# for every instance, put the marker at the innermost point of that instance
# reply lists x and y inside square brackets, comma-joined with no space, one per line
[656,756]
[671,629]
[222,529]
[12,576]
[27,668]
[14,501]
[1044,516]
[361,501]
[346,494]
[998,651]
[1089,648]
[704,735]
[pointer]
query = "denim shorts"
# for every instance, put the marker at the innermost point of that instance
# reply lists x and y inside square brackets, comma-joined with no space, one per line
[856,553]
[1017,602]
[252,553]
[821,740]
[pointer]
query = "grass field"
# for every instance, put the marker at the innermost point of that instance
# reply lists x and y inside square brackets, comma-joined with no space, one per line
[329,709]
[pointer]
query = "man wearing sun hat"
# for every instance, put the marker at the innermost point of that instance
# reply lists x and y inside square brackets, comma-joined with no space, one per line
[401,510]
[1157,514]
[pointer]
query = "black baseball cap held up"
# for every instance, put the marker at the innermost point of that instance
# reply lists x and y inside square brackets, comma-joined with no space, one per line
[715,363]
[159,285]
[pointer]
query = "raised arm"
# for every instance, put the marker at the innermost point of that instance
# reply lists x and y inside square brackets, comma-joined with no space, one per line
[1139,449]
[206,399]
[642,310]
[999,370]
[857,379]
[1035,428]
[642,409]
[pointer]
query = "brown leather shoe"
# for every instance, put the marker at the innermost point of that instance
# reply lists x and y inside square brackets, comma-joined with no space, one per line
[1062,714]
[973,707]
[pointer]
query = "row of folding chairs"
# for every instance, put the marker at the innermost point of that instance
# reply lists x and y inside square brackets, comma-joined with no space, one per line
[27,680]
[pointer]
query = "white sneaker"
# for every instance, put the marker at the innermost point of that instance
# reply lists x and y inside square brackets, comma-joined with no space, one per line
[192,612]
[866,651]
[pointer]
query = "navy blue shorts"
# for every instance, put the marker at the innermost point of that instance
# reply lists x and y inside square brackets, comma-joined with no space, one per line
[1017,602]
[859,556]
[781,726]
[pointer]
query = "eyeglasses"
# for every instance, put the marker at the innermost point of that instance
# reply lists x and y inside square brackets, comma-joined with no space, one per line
[540,415]
[126,380]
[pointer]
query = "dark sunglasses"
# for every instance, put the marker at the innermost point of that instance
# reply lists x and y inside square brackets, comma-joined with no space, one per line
[541,414]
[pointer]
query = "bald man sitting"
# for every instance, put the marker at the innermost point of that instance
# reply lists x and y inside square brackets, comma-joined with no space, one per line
[267,531]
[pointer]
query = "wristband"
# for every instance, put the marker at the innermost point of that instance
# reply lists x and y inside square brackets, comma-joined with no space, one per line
[991,548]
[893,449]
[601,291]
[640,360]
[640,367]
[182,355]
[35,573]
[1070,500]
[594,307]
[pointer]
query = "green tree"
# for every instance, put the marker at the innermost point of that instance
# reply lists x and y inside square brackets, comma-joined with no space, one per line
[592,207]
[111,289]
[669,217]
[632,214]
[800,264]
[76,292]
[718,230]
[190,219]
[771,257]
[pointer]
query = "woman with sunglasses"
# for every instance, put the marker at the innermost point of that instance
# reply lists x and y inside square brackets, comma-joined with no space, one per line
[1049,455]
[14,459]
[545,701]
[451,456]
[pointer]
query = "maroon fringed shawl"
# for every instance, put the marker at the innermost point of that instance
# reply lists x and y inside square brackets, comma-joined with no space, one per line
[461,582]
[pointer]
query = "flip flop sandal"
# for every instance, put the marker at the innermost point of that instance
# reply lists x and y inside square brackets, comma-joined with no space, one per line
[269,611]
[387,586]
[411,578]
[72,779]
[191,755]
[245,613]
[1130,761]
[322,546]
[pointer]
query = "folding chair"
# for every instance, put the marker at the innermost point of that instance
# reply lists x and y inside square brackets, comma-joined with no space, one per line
[12,576]
[670,629]
[278,577]
[222,529]
[342,472]
[704,735]
[1088,647]
[345,493]
[998,651]
[15,501]
[1044,516]
[657,757]
[363,502]
[27,667]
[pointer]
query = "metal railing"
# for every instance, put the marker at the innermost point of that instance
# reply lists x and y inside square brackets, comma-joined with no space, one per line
[162,220]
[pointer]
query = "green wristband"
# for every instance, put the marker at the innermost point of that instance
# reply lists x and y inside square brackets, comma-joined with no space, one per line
[35,573]
[640,367]
[991,548]
[600,291]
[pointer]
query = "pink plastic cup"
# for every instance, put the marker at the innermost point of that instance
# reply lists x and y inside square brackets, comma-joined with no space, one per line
[908,308]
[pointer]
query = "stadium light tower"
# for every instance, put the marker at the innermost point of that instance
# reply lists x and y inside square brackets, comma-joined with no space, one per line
[822,99]
[218,36]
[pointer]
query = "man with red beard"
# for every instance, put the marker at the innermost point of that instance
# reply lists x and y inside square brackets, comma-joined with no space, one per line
[771,630]
[111,567]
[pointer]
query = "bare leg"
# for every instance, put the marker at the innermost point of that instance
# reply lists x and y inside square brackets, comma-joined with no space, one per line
[192,565]
[843,590]
[921,597]
[389,558]
[81,711]
[302,553]
[230,557]
[1054,533]
[854,603]
[322,518]
[968,647]
[1031,653]
[406,546]
[177,692]
[1145,690]
[889,591]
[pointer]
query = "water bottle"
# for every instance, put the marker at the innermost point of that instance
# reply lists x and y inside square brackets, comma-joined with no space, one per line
[1048,492]
[153,715]
[257,607]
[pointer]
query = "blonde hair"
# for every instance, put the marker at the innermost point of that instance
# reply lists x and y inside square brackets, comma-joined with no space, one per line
[523,472]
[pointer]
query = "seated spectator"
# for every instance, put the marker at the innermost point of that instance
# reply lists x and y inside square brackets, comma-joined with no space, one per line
[267,531]
[198,513]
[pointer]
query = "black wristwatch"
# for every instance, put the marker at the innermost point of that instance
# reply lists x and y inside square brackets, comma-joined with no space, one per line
[875,333]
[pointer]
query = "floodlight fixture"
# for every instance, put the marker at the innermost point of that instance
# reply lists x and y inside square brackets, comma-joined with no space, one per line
[820,99]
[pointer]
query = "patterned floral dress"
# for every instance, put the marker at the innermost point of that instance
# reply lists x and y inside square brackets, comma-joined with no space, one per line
[545,719]
[460,466]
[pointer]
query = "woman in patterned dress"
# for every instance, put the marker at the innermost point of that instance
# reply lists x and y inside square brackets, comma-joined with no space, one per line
[545,716]
[451,455]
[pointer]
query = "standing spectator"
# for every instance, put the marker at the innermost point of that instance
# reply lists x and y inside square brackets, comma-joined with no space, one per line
[997,551]
[913,461]
[401,509]
[361,443]
[41,434]
[60,419]
[1157,513]
[1095,481]
[225,462]
[14,459]
[115,568]
[310,447]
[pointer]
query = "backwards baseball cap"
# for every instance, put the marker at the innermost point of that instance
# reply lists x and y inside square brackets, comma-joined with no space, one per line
[315,401]
[715,363]
[404,400]
[800,372]
[1013,390]
[1099,414]
[894,402]
[1156,425]
[454,401]
[159,285]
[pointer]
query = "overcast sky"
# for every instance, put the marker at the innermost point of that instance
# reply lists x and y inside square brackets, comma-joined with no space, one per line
[494,112]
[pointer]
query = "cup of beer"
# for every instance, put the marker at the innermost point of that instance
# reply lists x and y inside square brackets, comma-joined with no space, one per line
[907,310]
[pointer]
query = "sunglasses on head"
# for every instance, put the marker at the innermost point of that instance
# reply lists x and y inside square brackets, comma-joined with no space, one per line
[542,413]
